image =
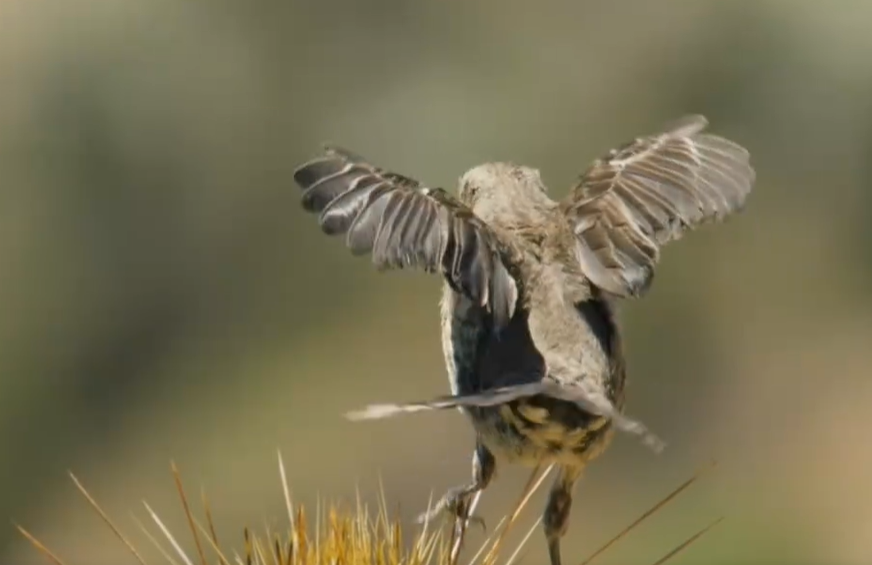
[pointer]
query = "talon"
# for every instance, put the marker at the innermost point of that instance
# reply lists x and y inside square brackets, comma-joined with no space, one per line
[453,506]
[445,508]
[476,519]
[449,509]
[463,517]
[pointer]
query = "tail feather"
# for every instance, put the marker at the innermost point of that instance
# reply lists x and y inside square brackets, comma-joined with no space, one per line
[589,400]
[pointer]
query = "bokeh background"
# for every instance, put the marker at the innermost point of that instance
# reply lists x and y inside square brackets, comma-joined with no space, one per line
[163,296]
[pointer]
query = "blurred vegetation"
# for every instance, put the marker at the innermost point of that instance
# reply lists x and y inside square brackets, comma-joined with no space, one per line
[164,296]
[341,535]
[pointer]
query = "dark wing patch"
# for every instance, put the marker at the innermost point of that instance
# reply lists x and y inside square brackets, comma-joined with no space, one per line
[649,192]
[404,224]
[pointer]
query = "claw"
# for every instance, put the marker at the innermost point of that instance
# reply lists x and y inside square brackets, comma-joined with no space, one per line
[460,502]
[452,506]
[476,519]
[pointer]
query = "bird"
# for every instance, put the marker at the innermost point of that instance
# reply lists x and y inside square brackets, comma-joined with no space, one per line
[531,286]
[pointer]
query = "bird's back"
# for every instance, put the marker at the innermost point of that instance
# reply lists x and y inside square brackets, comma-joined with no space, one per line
[559,331]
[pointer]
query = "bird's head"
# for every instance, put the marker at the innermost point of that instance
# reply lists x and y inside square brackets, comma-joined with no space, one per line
[504,193]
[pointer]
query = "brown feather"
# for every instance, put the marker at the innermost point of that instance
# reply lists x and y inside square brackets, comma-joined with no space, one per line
[649,192]
[404,224]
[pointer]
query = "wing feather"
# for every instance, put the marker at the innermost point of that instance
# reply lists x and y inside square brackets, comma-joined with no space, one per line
[401,223]
[639,197]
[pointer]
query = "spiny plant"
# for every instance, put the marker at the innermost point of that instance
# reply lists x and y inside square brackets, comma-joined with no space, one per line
[342,536]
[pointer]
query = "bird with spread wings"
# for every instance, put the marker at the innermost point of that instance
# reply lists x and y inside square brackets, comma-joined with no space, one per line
[532,347]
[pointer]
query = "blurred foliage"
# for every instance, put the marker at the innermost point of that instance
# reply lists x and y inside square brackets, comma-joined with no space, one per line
[164,296]
[343,534]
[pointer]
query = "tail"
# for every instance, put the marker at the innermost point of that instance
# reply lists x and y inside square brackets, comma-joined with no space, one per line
[589,400]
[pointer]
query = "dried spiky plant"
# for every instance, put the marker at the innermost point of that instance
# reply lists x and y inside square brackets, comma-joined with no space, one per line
[346,537]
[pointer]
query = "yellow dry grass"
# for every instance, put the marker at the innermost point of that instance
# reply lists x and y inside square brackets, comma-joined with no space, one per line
[342,537]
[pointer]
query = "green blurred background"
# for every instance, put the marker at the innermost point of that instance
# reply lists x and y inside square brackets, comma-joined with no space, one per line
[163,295]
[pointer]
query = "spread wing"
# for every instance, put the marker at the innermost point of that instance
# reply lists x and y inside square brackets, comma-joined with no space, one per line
[403,224]
[641,196]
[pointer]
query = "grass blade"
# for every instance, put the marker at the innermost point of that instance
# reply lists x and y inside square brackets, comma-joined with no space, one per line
[106,519]
[682,546]
[40,547]
[648,513]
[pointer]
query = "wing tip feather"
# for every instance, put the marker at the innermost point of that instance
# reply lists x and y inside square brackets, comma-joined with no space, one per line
[687,125]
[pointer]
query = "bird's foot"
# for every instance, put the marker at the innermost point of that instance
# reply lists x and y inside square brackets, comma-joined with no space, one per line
[455,506]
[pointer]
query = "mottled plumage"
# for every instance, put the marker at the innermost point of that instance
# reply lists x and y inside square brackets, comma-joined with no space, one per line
[533,351]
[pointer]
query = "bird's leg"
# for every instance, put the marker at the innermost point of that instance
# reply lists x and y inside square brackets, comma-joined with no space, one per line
[456,501]
[556,516]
